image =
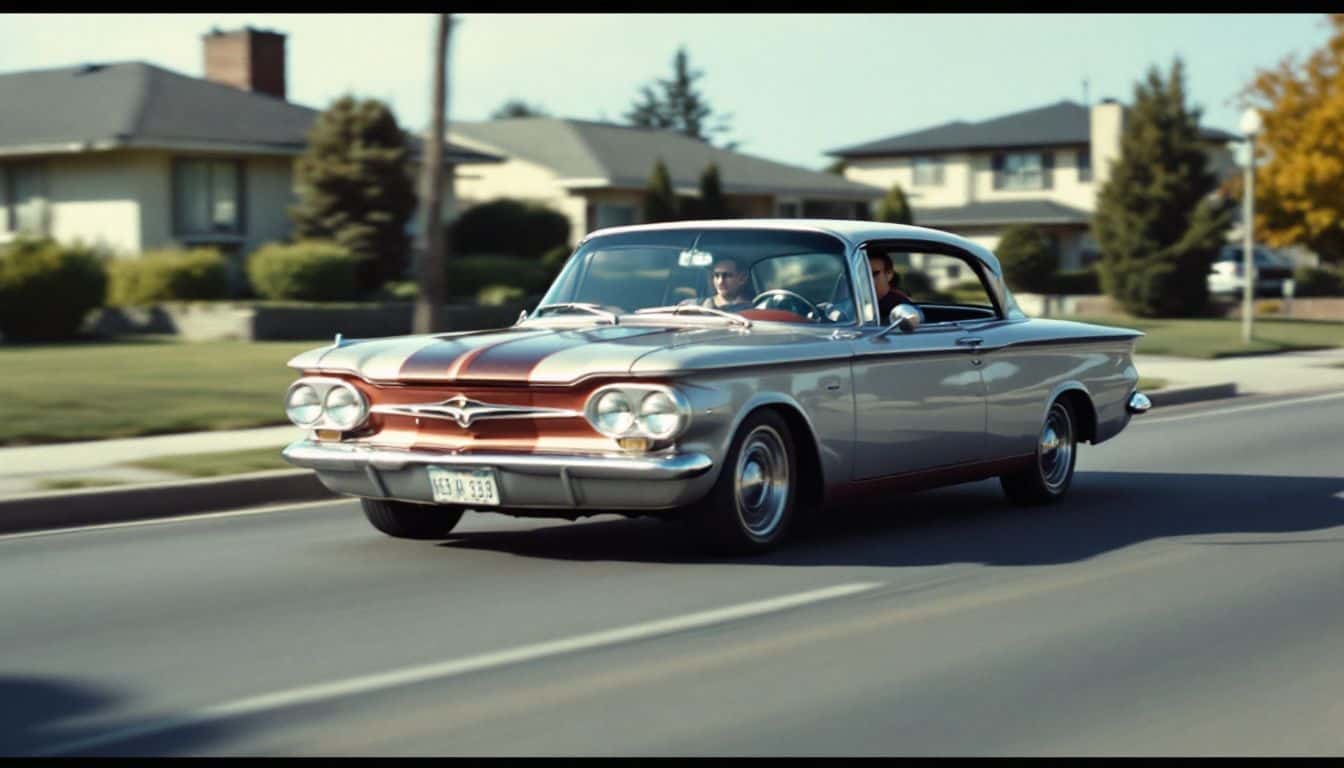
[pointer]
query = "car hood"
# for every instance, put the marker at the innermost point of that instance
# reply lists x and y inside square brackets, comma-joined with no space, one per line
[542,355]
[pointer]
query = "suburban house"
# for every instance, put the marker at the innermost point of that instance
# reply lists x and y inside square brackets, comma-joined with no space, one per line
[134,157]
[1041,166]
[596,173]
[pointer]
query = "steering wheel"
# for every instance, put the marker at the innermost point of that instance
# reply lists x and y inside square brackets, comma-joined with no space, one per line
[776,298]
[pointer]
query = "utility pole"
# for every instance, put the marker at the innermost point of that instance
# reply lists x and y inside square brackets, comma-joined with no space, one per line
[1250,126]
[434,260]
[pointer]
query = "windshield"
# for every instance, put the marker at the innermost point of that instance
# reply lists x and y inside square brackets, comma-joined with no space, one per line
[773,275]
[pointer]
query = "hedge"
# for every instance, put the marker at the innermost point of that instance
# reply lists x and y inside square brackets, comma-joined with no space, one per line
[467,275]
[168,275]
[1318,281]
[46,289]
[309,270]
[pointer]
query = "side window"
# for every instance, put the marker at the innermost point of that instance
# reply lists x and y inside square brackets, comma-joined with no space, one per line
[946,288]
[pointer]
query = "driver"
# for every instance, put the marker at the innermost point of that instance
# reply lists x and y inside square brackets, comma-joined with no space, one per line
[887,294]
[729,283]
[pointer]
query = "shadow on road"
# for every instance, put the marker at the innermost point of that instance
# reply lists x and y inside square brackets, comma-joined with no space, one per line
[973,523]
[39,713]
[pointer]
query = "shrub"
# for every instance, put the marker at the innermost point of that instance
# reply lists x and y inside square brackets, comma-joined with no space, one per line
[912,282]
[399,290]
[309,270]
[554,260]
[1085,282]
[46,289]
[1028,257]
[467,275]
[168,275]
[510,227]
[1318,281]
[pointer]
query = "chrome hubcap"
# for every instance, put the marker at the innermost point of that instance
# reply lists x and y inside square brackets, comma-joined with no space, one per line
[761,482]
[1055,449]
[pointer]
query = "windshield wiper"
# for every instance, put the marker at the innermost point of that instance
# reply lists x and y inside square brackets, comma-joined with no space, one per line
[677,309]
[582,306]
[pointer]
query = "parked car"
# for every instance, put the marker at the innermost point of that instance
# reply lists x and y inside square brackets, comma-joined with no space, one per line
[1227,277]
[622,393]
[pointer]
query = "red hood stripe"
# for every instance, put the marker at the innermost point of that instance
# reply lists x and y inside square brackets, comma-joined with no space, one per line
[515,360]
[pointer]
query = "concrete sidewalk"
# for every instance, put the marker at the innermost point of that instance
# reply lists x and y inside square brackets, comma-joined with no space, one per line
[1254,375]
[23,468]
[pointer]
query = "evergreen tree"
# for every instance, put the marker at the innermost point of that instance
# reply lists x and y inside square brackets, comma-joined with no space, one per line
[1157,225]
[894,208]
[660,201]
[1029,259]
[678,105]
[712,203]
[354,186]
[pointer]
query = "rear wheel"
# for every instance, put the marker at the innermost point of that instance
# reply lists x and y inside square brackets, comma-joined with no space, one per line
[411,521]
[751,505]
[1050,475]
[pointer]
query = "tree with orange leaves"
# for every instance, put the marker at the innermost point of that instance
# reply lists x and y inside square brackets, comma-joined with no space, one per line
[1299,181]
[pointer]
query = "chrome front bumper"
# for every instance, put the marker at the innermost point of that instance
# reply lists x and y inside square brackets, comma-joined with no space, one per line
[526,481]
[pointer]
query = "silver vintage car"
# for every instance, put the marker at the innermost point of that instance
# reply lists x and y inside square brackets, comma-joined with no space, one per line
[731,374]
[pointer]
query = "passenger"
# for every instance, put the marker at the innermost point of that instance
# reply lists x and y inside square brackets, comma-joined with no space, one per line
[884,275]
[729,283]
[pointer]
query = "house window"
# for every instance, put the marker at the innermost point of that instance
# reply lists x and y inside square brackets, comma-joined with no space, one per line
[613,215]
[788,210]
[1022,170]
[1085,164]
[23,198]
[208,197]
[928,171]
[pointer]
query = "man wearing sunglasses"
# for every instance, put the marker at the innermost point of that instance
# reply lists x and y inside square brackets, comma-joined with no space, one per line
[729,284]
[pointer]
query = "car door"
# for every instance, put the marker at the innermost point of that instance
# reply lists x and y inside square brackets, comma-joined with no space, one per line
[919,399]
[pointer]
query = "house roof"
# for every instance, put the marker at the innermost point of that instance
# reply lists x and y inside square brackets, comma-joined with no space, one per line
[1065,122]
[134,104]
[592,154]
[1002,212]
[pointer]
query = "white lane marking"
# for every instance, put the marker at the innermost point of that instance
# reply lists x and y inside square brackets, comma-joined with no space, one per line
[177,518]
[439,670]
[1238,409]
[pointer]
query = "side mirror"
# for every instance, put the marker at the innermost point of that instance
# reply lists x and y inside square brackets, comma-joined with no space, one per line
[904,318]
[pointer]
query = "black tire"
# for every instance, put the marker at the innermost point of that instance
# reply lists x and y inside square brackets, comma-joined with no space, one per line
[411,521]
[1048,478]
[753,516]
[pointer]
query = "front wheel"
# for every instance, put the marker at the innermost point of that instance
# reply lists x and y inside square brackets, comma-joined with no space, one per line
[403,520]
[1050,475]
[751,505]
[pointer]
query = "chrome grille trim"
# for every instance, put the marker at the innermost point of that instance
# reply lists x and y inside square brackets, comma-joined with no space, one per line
[466,411]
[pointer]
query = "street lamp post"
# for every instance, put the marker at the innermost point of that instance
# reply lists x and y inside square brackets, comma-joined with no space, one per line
[1250,126]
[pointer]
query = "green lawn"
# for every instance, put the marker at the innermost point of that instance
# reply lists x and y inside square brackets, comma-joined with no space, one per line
[214,464]
[1150,383]
[53,393]
[71,483]
[1222,338]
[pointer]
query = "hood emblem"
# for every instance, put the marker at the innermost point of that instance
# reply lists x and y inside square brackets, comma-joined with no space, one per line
[465,411]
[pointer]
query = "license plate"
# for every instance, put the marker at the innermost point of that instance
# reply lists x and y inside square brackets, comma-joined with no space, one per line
[470,486]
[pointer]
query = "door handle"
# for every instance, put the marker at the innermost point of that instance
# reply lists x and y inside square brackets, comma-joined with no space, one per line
[970,341]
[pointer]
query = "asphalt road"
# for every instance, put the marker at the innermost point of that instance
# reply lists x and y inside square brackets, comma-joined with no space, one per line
[1188,599]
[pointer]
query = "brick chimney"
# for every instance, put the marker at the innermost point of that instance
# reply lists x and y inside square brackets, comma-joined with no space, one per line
[247,58]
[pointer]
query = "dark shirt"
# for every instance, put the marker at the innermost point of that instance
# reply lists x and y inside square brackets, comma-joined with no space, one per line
[886,304]
[732,306]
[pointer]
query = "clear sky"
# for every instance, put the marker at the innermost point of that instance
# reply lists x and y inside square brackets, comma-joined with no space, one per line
[796,84]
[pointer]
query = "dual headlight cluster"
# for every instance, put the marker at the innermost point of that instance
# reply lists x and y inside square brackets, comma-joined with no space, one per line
[638,410]
[329,403]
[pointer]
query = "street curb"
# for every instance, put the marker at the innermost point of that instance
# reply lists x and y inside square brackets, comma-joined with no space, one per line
[1179,395]
[95,506]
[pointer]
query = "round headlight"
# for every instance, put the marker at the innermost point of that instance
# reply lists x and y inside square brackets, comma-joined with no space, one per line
[345,407]
[303,406]
[614,414]
[658,415]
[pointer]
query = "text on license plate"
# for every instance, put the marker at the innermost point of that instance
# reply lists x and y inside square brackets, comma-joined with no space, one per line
[464,486]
